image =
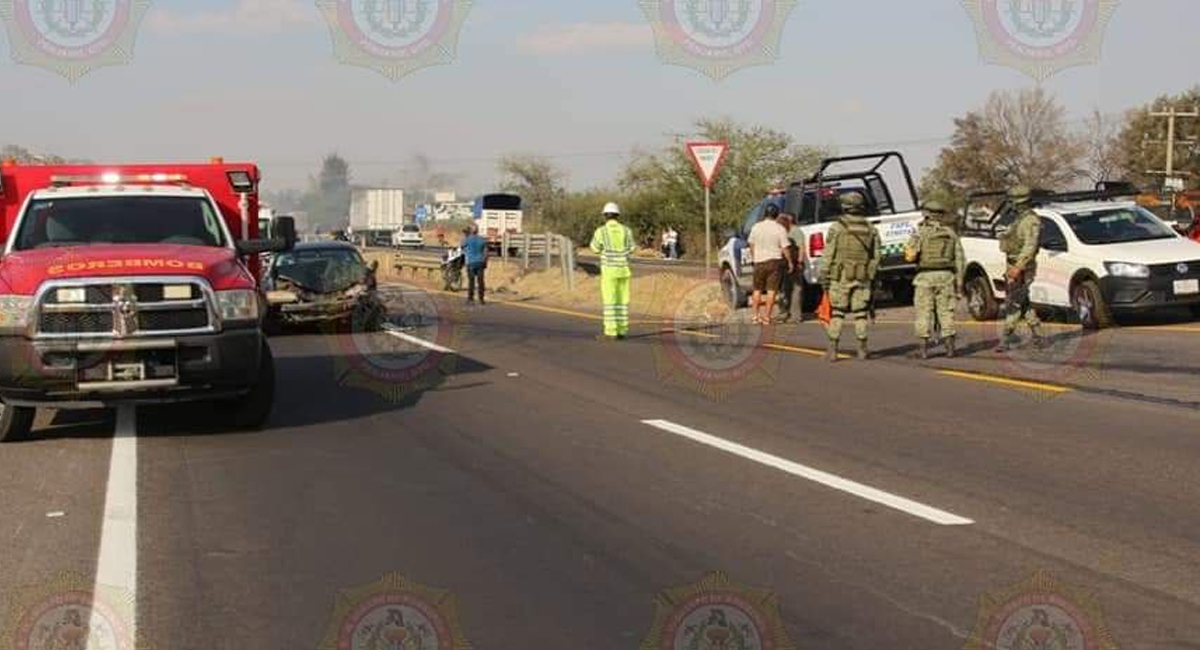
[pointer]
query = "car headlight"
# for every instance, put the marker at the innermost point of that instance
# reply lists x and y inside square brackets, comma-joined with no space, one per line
[1128,270]
[238,305]
[15,312]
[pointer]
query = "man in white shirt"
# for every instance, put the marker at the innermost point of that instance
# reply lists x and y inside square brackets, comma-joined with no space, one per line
[768,250]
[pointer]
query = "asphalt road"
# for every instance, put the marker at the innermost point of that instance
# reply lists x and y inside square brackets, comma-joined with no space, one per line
[555,484]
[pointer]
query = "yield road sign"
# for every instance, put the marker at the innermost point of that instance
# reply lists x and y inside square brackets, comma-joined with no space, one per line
[708,157]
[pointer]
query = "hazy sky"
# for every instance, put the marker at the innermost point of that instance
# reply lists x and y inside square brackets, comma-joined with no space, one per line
[578,80]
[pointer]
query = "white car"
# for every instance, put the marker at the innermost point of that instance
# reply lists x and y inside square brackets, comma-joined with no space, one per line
[1101,255]
[409,236]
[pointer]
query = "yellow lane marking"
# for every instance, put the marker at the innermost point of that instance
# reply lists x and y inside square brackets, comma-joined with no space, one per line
[812,352]
[1003,381]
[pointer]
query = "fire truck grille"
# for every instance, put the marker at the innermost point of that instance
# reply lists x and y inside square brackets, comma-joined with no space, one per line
[169,321]
[78,323]
[123,308]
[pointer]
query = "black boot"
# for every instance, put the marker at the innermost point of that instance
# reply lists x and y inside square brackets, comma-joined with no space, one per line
[951,351]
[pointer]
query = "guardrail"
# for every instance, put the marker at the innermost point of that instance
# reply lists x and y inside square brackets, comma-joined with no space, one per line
[545,247]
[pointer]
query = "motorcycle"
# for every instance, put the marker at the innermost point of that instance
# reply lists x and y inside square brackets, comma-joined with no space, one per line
[452,269]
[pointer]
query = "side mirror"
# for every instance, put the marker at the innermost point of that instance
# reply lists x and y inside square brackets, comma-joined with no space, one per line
[284,240]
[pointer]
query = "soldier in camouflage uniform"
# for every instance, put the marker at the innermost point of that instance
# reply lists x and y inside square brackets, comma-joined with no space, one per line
[848,269]
[941,265]
[1021,243]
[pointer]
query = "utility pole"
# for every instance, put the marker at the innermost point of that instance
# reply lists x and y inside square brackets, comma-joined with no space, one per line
[1172,178]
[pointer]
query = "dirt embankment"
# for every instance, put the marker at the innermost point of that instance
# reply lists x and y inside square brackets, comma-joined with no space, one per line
[665,295]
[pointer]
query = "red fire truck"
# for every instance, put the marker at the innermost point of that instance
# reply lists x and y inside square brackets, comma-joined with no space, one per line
[132,283]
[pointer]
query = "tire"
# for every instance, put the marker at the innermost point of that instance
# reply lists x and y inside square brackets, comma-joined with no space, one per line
[1089,305]
[16,422]
[903,292]
[981,302]
[253,410]
[735,297]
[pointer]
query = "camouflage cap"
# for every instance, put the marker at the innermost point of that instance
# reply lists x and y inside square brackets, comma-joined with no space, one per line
[1020,194]
[853,203]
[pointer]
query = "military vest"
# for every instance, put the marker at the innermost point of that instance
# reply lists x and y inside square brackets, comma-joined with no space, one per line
[855,250]
[1011,241]
[938,248]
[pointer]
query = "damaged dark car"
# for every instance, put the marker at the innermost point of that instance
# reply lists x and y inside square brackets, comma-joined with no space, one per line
[326,284]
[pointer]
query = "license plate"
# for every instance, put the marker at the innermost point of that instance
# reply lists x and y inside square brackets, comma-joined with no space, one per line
[127,372]
[1187,287]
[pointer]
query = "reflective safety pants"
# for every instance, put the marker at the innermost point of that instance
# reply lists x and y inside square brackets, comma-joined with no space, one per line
[614,289]
[935,301]
[849,299]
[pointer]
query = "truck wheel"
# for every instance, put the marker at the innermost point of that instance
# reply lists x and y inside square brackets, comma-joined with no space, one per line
[253,409]
[981,302]
[1089,306]
[903,292]
[16,422]
[735,297]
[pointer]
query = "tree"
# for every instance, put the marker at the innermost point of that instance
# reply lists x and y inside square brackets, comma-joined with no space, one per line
[328,199]
[1017,138]
[1102,160]
[662,188]
[1139,156]
[538,182]
[25,156]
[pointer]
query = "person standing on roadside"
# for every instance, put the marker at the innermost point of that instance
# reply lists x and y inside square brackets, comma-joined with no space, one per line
[475,250]
[848,269]
[941,264]
[768,250]
[793,282]
[613,242]
[1021,244]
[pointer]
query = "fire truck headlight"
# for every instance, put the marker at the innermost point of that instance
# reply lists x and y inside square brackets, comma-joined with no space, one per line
[238,306]
[15,313]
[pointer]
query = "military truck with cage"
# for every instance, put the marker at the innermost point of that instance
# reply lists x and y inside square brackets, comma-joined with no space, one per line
[133,284]
[893,206]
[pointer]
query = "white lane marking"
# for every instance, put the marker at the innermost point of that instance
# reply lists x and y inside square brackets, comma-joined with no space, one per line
[57,514]
[416,341]
[117,563]
[914,508]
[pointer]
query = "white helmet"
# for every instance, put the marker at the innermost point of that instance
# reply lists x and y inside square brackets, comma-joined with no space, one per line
[612,209]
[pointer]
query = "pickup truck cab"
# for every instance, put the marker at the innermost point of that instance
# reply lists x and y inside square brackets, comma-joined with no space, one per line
[132,284]
[1101,254]
[815,202]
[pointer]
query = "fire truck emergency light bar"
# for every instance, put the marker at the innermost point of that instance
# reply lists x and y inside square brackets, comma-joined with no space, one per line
[113,178]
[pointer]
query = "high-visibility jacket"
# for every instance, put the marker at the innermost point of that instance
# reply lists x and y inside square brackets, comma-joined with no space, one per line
[613,242]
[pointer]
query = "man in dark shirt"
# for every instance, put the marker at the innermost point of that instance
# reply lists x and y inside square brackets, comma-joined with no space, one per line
[475,249]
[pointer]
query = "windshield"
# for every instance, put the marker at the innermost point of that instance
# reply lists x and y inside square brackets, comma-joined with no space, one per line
[411,229]
[52,222]
[1117,226]
[325,270]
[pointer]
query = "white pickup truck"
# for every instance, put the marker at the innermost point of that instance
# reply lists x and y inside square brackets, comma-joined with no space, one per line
[1101,254]
[895,217]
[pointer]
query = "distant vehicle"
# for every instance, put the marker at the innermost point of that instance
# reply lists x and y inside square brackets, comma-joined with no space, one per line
[409,236]
[816,204]
[376,209]
[500,214]
[1101,254]
[323,283]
